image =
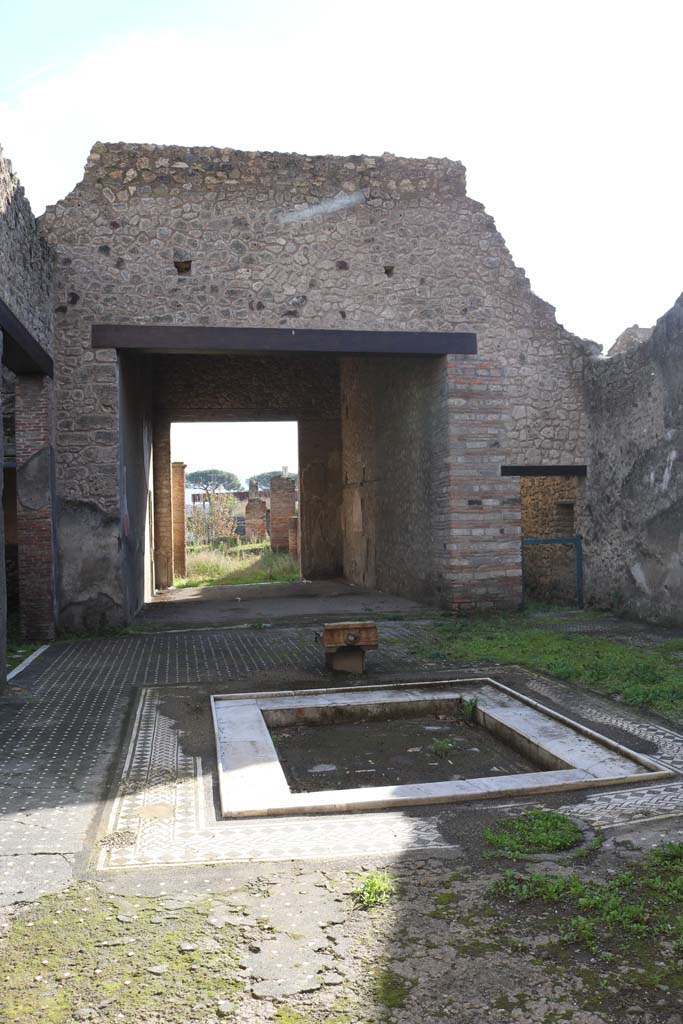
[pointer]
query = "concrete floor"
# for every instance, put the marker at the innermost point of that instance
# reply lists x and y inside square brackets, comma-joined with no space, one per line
[321,600]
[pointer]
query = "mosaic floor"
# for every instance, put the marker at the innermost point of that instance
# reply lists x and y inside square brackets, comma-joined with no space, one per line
[165,813]
[64,720]
[166,807]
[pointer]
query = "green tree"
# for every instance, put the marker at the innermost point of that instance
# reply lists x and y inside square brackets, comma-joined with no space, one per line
[265,478]
[210,480]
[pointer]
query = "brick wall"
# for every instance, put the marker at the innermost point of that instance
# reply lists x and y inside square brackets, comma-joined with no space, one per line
[35,536]
[163,505]
[484,555]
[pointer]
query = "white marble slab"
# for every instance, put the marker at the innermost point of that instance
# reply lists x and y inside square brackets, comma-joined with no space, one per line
[252,782]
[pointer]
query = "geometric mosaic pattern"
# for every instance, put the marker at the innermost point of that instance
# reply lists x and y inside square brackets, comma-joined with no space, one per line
[164,814]
[165,811]
[61,732]
[62,717]
[626,806]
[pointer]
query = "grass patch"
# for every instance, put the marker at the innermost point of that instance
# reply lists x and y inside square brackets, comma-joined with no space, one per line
[253,563]
[17,649]
[651,678]
[376,889]
[78,950]
[390,989]
[287,1015]
[637,910]
[535,831]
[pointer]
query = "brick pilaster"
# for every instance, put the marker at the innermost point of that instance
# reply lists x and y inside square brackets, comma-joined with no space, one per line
[282,508]
[163,514]
[178,501]
[35,507]
[483,564]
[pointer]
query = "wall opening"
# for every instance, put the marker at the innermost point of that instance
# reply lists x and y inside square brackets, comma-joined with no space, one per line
[235,502]
[549,512]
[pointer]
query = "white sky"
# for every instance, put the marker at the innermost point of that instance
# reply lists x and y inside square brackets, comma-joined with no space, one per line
[566,115]
[244,449]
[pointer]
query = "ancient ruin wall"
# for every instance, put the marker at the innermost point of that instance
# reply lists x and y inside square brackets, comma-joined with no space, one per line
[26,262]
[173,235]
[633,522]
[26,284]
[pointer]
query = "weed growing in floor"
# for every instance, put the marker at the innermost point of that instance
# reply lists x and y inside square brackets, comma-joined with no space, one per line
[647,677]
[638,908]
[469,709]
[442,747]
[376,888]
[535,831]
[592,847]
[390,989]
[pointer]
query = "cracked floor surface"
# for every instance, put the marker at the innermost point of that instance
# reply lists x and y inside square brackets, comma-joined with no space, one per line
[290,945]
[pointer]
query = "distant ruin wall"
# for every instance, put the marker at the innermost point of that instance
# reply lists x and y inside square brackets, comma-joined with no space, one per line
[633,522]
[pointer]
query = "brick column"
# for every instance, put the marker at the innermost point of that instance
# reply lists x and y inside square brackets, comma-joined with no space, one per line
[483,565]
[163,514]
[178,489]
[282,508]
[35,510]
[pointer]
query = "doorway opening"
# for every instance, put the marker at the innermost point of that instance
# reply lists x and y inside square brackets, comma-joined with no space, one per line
[235,503]
[552,555]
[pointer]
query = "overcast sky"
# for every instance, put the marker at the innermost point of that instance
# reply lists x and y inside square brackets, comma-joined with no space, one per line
[566,115]
[246,449]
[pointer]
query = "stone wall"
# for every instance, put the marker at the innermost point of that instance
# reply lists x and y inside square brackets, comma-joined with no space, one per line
[633,522]
[26,287]
[175,235]
[26,261]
